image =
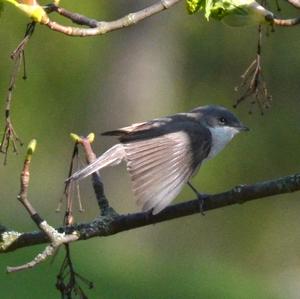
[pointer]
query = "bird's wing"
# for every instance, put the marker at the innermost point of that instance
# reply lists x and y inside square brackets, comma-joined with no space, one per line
[160,166]
[141,130]
[161,155]
[130,129]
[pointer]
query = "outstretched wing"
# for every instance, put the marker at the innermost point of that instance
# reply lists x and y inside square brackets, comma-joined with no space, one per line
[161,156]
[159,168]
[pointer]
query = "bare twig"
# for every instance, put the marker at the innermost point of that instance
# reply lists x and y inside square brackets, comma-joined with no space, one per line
[102,27]
[69,189]
[10,137]
[56,238]
[253,85]
[96,179]
[68,279]
[112,224]
[90,157]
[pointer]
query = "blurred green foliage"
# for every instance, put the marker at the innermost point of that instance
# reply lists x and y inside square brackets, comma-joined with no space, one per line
[171,62]
[233,12]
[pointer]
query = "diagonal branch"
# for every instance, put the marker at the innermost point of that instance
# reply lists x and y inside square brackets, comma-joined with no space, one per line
[97,183]
[96,179]
[111,224]
[99,28]
[57,239]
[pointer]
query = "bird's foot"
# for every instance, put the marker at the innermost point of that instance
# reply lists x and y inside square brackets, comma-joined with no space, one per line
[201,198]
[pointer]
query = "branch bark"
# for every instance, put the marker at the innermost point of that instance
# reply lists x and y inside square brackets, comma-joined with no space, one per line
[286,22]
[99,28]
[102,27]
[112,223]
[57,239]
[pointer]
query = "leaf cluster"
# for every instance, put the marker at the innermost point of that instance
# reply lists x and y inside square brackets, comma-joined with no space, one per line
[236,12]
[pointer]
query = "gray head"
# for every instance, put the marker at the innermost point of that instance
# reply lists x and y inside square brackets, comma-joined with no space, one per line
[217,116]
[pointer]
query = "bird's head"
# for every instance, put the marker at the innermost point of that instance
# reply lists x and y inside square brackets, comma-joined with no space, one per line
[222,124]
[218,117]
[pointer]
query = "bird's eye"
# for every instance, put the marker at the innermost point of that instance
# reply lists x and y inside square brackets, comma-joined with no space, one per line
[222,121]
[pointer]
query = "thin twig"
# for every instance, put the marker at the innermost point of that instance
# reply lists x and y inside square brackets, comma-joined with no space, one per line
[253,85]
[96,179]
[10,137]
[90,157]
[57,239]
[68,279]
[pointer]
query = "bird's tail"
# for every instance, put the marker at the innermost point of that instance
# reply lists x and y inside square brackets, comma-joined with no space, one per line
[114,156]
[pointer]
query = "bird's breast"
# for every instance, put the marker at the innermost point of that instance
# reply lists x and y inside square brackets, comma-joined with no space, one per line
[220,138]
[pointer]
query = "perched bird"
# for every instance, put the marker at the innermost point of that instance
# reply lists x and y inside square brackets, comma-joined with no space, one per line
[164,153]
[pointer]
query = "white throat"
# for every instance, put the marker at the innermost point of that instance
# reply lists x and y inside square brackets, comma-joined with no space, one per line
[220,137]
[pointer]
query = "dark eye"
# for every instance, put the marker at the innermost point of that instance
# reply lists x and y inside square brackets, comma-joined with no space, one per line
[222,121]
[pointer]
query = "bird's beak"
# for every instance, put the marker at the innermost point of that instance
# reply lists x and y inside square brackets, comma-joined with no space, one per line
[242,127]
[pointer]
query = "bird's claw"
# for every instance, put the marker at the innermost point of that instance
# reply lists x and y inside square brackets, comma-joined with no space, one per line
[201,199]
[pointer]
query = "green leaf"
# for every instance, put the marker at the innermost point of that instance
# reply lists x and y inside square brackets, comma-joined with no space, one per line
[232,12]
[193,6]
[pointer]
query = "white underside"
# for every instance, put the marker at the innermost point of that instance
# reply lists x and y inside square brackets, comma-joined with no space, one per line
[220,138]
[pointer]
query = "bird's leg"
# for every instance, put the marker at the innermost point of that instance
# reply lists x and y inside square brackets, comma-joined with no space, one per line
[201,197]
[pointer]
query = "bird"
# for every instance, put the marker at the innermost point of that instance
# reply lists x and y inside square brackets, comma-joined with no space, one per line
[163,154]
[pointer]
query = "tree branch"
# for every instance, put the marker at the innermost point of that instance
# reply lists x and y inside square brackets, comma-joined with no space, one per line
[90,156]
[112,223]
[57,239]
[99,28]
[286,22]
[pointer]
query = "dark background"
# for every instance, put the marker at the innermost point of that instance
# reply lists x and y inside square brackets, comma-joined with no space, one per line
[169,63]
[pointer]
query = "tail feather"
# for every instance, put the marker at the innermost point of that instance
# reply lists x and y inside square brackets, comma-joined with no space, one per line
[114,156]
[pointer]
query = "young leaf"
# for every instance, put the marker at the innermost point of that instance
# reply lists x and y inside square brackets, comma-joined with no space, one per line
[193,6]
[33,10]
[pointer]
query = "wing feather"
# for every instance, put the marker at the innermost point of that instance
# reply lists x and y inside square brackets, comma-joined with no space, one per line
[159,167]
[159,199]
[148,177]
